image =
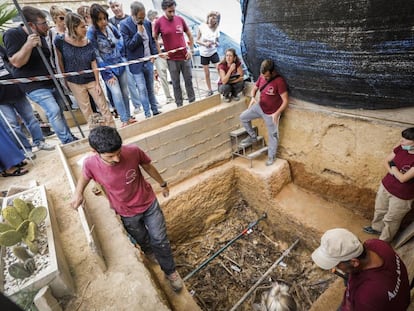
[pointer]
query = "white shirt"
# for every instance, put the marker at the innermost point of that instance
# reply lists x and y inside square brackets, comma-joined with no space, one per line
[208,35]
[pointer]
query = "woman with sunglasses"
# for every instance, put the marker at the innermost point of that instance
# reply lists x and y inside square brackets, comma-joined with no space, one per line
[58,16]
[108,44]
[76,53]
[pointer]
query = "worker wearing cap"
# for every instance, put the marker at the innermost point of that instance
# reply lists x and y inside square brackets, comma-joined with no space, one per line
[377,277]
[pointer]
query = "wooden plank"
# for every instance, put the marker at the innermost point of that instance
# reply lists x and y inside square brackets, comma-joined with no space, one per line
[404,236]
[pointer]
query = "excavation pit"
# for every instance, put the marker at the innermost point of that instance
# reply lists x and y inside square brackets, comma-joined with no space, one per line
[191,148]
[227,277]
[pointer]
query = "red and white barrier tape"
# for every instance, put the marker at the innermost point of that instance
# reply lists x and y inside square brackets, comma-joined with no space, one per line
[78,73]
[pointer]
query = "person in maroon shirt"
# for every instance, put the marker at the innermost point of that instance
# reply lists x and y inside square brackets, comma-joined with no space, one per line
[117,168]
[273,101]
[377,277]
[172,28]
[395,195]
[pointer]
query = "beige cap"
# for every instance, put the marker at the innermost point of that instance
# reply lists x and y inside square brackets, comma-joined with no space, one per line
[337,245]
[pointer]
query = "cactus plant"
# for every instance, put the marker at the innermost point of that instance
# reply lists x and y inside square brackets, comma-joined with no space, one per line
[11,215]
[9,238]
[5,227]
[21,207]
[27,260]
[22,221]
[31,231]
[18,271]
[38,214]
[22,229]
[32,245]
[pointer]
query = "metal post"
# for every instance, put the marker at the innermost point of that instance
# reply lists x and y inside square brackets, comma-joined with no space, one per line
[49,69]
[206,262]
[285,253]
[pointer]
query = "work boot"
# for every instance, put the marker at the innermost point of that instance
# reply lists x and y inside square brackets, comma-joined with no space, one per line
[248,140]
[175,281]
[270,161]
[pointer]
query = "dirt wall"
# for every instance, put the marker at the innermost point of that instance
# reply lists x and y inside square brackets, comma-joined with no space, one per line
[339,154]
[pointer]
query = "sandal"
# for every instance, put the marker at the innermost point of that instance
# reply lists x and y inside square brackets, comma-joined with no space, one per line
[19,171]
[21,164]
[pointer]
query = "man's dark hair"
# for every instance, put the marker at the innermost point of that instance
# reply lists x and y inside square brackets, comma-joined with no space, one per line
[105,139]
[165,4]
[408,133]
[267,66]
[31,14]
[136,7]
[94,11]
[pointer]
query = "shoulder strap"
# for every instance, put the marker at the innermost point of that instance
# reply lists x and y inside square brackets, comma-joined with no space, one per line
[268,81]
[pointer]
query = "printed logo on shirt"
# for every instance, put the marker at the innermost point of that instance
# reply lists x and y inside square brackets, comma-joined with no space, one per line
[270,91]
[130,176]
[179,29]
[405,168]
[394,293]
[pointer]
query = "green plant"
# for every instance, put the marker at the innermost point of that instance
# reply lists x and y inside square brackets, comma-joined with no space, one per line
[21,224]
[6,13]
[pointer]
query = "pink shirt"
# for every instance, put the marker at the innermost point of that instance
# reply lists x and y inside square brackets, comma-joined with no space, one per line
[172,32]
[385,288]
[270,100]
[128,192]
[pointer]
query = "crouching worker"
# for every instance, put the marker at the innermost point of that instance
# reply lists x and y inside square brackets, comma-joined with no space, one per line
[117,168]
[377,277]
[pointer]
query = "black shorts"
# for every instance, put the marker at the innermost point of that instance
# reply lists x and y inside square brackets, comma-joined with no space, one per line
[213,58]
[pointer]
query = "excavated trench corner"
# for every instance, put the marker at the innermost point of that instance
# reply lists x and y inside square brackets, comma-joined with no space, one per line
[212,208]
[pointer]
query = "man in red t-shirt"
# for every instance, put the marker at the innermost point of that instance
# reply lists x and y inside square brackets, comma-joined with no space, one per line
[395,195]
[172,29]
[273,101]
[377,277]
[117,169]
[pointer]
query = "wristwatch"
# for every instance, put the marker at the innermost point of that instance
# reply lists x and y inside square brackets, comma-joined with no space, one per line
[164,184]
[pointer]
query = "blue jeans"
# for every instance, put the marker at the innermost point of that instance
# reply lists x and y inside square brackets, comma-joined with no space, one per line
[133,91]
[120,96]
[145,84]
[150,231]
[22,107]
[176,67]
[255,112]
[45,98]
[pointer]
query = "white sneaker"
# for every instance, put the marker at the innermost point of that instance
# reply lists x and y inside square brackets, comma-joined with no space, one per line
[43,146]
[137,110]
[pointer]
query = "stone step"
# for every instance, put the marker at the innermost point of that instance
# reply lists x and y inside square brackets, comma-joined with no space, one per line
[240,132]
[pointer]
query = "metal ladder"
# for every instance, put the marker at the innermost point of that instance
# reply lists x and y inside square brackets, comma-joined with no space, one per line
[247,151]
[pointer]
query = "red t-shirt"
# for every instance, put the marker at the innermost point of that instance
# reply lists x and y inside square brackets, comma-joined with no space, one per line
[380,289]
[225,68]
[270,100]
[128,192]
[404,162]
[172,32]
